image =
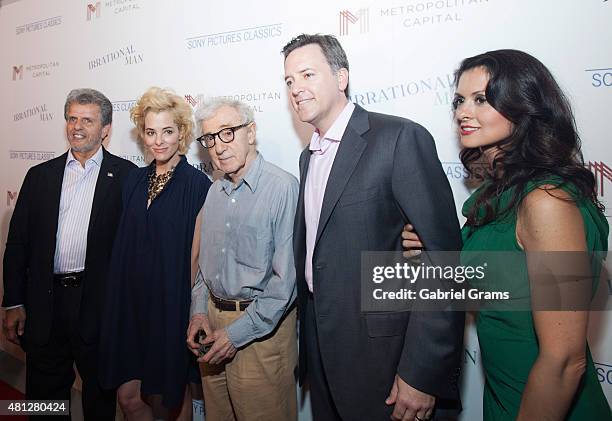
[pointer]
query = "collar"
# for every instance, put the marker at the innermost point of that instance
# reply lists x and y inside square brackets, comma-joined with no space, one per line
[320,143]
[251,178]
[96,158]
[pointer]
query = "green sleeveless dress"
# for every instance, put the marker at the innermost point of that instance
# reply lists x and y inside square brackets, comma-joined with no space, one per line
[508,341]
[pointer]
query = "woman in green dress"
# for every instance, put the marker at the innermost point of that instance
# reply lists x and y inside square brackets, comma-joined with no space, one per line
[536,197]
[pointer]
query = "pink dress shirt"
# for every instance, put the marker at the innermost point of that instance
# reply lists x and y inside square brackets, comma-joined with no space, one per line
[323,151]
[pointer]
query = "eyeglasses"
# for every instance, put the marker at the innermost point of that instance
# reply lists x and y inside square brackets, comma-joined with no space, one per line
[225,135]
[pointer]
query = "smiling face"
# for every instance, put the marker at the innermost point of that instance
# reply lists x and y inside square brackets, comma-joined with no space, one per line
[161,137]
[317,93]
[479,124]
[84,129]
[235,157]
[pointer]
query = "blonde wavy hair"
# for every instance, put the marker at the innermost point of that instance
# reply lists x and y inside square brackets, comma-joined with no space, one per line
[157,100]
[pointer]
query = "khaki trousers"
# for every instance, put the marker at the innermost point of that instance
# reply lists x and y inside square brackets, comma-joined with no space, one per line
[259,382]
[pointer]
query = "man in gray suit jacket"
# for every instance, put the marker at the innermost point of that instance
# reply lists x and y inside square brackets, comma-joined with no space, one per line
[363,176]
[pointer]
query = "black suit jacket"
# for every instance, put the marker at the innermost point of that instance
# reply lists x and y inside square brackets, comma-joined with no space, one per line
[30,246]
[386,173]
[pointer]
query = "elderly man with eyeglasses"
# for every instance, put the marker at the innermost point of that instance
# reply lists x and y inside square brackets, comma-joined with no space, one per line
[244,294]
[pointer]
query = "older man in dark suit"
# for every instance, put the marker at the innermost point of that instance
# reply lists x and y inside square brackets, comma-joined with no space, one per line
[363,176]
[56,258]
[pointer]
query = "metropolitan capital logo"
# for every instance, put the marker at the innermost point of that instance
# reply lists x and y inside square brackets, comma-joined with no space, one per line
[360,19]
[602,174]
[256,101]
[419,14]
[414,15]
[11,198]
[136,159]
[18,72]
[94,10]
[193,100]
[34,70]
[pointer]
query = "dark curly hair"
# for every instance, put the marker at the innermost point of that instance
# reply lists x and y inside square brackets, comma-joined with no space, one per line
[543,143]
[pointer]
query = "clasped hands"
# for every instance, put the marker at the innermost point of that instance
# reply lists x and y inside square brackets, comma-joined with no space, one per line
[222,348]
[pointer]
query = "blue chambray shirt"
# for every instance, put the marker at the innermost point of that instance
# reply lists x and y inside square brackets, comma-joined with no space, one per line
[246,248]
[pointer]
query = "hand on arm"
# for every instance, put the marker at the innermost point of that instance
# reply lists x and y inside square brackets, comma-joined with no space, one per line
[411,242]
[547,224]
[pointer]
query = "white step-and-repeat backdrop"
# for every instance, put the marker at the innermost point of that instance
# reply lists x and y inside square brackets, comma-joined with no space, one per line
[402,56]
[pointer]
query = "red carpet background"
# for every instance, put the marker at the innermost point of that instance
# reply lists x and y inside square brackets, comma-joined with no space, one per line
[9,393]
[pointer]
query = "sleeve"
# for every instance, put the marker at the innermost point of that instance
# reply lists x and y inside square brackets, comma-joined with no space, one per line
[264,313]
[422,190]
[199,296]
[12,307]
[16,254]
[420,187]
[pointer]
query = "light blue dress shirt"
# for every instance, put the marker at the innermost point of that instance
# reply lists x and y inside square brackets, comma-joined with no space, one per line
[78,189]
[246,248]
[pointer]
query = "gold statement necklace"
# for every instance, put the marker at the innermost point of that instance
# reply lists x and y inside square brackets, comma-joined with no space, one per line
[157,182]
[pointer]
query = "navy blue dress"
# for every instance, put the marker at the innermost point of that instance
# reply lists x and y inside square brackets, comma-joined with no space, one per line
[147,305]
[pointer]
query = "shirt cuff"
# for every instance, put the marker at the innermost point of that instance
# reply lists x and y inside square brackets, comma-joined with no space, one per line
[241,331]
[12,307]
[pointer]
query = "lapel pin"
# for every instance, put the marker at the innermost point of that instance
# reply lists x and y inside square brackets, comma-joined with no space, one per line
[109,174]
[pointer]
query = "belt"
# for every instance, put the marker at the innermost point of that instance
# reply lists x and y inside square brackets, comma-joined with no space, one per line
[72,279]
[230,305]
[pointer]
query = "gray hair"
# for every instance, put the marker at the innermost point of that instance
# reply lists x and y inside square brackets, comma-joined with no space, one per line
[207,109]
[85,96]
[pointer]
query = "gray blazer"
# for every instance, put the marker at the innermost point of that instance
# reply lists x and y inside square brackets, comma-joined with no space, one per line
[386,173]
